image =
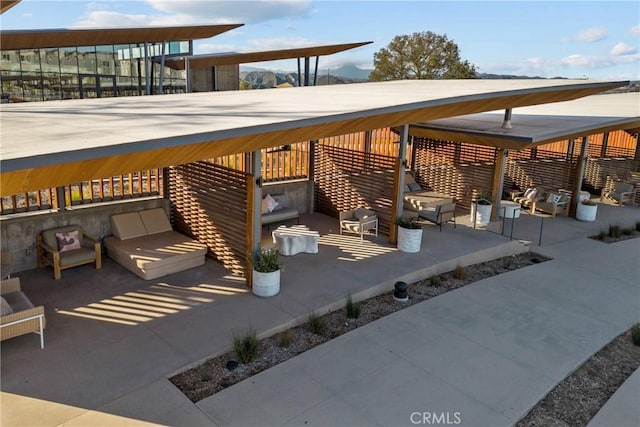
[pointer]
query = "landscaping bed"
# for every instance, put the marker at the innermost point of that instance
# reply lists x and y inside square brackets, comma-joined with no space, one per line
[214,375]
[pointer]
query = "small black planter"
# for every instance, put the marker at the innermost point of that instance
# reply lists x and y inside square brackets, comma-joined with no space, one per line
[400,292]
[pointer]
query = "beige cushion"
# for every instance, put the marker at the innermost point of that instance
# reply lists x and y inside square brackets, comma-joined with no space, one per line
[18,301]
[155,221]
[127,226]
[5,308]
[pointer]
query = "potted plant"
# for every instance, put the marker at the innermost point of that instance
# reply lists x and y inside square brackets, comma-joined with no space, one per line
[266,273]
[586,210]
[409,234]
[481,209]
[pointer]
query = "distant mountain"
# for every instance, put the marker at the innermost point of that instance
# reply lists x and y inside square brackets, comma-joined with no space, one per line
[349,72]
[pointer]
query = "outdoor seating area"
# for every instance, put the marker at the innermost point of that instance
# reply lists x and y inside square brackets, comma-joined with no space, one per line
[621,193]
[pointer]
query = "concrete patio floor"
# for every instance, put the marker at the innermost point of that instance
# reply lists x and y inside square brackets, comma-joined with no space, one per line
[112,340]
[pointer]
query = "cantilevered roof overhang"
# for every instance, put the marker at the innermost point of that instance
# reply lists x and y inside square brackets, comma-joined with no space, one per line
[7,4]
[540,124]
[54,143]
[38,39]
[233,58]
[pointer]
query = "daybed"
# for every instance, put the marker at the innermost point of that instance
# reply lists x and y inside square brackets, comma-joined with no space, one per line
[144,243]
[417,199]
[275,208]
[67,247]
[18,315]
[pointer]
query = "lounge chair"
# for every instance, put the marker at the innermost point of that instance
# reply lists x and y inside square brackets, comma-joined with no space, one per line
[359,221]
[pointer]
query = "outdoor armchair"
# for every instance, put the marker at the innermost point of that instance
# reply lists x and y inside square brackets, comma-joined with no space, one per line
[359,221]
[440,214]
[19,316]
[622,192]
[67,247]
[553,203]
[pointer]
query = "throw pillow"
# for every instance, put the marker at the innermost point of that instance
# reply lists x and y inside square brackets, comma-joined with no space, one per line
[68,241]
[413,186]
[271,203]
[5,308]
[553,198]
[530,193]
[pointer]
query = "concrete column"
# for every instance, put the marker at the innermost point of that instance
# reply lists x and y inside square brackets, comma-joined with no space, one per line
[498,181]
[60,196]
[578,177]
[401,166]
[161,77]
[311,170]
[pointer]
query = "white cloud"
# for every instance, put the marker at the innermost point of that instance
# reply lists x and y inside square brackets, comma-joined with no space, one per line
[623,49]
[635,30]
[278,43]
[100,19]
[247,12]
[589,35]
[214,48]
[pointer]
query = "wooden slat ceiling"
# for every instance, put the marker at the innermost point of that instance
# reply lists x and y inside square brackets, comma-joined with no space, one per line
[7,4]
[541,124]
[36,39]
[47,144]
[233,58]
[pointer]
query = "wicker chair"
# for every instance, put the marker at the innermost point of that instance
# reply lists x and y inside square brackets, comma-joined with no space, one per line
[19,316]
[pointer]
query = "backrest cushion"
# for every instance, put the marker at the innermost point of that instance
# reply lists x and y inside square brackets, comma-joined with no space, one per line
[414,186]
[282,201]
[5,308]
[49,236]
[155,221]
[622,187]
[127,226]
[408,179]
[362,213]
[271,203]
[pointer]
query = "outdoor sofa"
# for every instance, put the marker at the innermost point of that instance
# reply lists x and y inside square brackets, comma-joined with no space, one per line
[275,208]
[416,198]
[144,243]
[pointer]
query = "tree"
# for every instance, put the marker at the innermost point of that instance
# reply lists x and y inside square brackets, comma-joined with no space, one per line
[423,55]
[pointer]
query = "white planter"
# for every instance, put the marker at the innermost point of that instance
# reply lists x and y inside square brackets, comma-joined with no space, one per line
[409,239]
[586,212]
[266,284]
[483,217]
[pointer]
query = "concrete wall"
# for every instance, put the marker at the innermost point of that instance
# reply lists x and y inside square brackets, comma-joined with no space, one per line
[296,191]
[227,78]
[18,233]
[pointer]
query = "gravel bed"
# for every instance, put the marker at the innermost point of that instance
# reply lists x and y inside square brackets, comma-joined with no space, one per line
[577,399]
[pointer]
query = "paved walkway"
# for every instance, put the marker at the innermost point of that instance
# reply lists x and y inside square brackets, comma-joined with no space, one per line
[482,355]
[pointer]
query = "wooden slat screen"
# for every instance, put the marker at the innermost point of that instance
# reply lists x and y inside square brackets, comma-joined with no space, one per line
[459,170]
[346,179]
[209,203]
[598,170]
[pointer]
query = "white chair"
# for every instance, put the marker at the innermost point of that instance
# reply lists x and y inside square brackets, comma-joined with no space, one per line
[359,221]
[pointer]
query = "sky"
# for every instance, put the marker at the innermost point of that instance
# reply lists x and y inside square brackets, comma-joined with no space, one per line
[574,39]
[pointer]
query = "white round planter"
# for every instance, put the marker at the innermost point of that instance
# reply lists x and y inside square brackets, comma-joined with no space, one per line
[409,239]
[266,284]
[483,217]
[586,212]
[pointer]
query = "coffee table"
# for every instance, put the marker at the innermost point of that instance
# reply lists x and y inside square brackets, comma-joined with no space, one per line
[295,239]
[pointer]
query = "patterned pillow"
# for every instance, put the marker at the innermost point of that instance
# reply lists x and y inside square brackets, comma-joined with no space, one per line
[68,241]
[271,203]
[553,198]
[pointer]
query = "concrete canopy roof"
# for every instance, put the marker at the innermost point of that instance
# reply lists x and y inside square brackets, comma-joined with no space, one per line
[47,144]
[37,39]
[232,58]
[540,124]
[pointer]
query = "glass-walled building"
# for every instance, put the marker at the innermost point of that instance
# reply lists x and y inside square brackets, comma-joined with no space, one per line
[91,71]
